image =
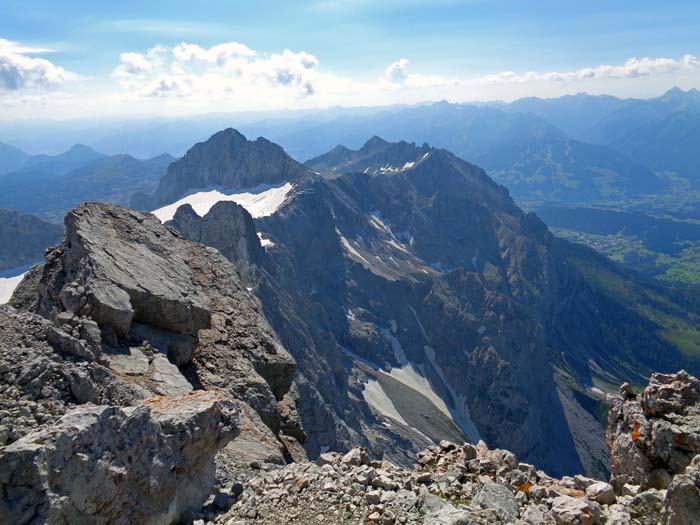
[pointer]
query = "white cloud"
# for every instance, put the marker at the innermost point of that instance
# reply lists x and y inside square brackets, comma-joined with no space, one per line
[397,75]
[19,70]
[222,71]
[633,68]
[134,64]
[188,78]
[220,54]
[397,72]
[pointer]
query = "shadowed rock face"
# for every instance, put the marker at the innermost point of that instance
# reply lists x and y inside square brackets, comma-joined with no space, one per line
[418,263]
[229,228]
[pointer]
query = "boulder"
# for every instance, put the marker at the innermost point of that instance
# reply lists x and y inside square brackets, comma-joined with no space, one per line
[100,464]
[601,492]
[572,511]
[499,498]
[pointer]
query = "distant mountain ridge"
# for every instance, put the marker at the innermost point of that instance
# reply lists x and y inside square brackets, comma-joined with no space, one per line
[24,239]
[374,157]
[49,186]
[78,155]
[540,148]
[11,158]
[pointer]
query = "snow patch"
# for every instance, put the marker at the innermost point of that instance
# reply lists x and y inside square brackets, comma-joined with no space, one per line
[376,398]
[265,243]
[409,374]
[260,201]
[8,285]
[376,219]
[352,251]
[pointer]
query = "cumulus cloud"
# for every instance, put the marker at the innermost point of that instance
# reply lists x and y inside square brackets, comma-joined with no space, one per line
[397,72]
[221,71]
[397,75]
[18,69]
[219,54]
[633,68]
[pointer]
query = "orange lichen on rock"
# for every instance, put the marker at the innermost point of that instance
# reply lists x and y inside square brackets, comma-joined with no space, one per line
[164,403]
[525,487]
[635,431]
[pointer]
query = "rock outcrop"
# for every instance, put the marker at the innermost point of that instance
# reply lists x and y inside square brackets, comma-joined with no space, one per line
[229,228]
[100,464]
[655,434]
[123,312]
[654,441]
[140,281]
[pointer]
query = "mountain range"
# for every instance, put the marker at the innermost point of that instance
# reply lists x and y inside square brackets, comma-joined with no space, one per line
[24,239]
[420,302]
[577,148]
[391,301]
[49,186]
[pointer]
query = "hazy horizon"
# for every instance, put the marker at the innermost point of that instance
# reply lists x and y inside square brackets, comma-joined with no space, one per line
[82,61]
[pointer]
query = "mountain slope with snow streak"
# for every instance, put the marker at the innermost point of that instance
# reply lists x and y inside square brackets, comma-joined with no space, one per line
[260,201]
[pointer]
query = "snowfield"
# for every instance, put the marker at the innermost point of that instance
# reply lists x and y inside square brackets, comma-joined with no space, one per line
[7,286]
[260,201]
[376,398]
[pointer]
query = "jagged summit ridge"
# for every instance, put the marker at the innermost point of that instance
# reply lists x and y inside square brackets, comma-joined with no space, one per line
[226,160]
[376,156]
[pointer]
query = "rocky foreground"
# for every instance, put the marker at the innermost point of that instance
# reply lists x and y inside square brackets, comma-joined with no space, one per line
[655,445]
[141,383]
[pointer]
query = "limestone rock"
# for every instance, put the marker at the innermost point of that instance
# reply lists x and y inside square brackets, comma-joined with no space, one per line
[601,492]
[141,282]
[654,435]
[682,503]
[572,511]
[101,464]
[501,499]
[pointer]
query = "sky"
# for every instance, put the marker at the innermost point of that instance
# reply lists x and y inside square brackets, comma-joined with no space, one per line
[75,59]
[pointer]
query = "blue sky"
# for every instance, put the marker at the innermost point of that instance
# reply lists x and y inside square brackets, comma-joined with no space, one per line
[450,49]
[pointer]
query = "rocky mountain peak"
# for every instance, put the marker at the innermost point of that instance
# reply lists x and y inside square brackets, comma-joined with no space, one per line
[373,144]
[226,160]
[375,157]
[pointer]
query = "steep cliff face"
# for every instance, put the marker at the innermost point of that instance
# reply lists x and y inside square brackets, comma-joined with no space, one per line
[421,303]
[229,228]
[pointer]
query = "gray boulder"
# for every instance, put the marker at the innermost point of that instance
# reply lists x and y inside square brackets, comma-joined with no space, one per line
[98,464]
[499,498]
